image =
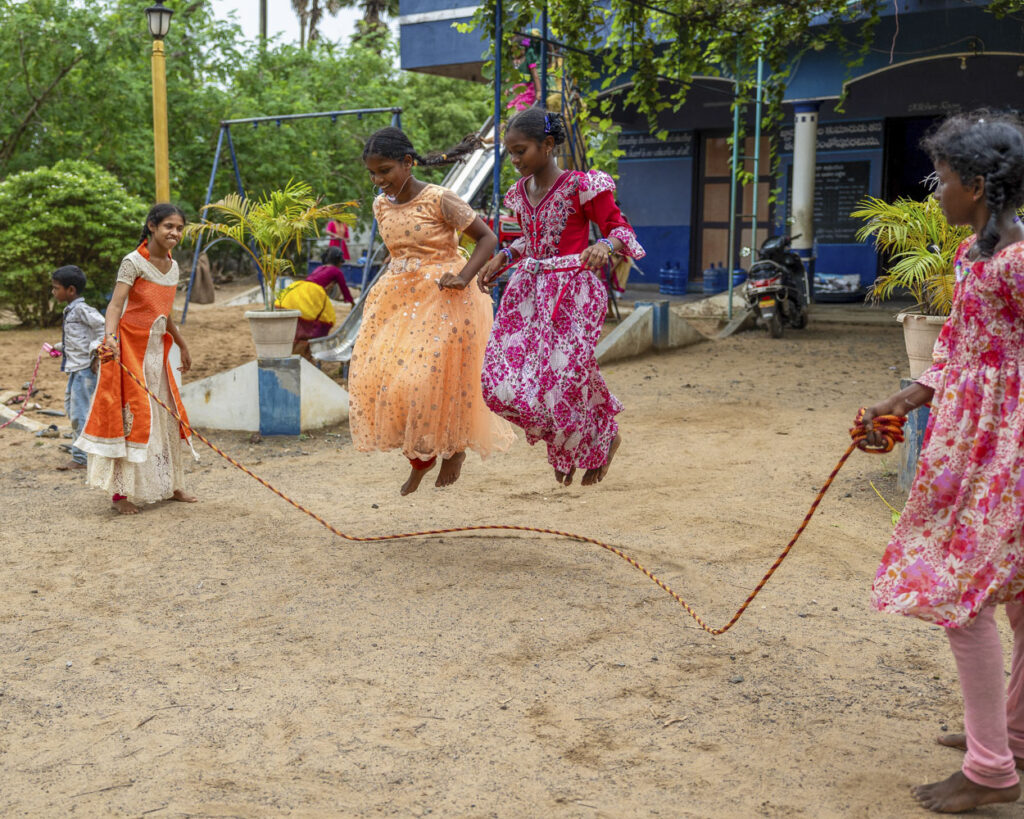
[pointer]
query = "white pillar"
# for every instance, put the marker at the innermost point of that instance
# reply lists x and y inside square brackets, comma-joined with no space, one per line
[805,151]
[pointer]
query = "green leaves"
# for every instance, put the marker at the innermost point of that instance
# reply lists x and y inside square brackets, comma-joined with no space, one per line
[906,231]
[75,82]
[268,226]
[653,50]
[71,213]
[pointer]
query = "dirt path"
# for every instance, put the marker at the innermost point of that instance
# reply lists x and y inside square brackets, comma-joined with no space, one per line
[232,658]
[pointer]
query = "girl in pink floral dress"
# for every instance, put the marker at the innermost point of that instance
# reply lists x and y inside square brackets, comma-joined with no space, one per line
[540,371]
[958,548]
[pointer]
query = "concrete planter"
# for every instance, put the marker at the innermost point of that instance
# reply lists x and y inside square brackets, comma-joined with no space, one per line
[273,331]
[919,334]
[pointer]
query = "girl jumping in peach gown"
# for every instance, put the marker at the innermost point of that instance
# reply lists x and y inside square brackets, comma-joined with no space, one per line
[414,380]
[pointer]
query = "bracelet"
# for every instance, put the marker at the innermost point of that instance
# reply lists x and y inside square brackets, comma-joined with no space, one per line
[508,254]
[603,241]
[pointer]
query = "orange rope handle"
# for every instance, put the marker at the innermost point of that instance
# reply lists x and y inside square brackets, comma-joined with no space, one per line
[28,393]
[858,432]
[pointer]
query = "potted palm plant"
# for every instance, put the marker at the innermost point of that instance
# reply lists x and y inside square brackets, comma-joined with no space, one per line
[268,228]
[920,246]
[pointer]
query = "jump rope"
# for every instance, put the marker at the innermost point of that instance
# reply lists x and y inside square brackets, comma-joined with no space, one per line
[890,427]
[28,392]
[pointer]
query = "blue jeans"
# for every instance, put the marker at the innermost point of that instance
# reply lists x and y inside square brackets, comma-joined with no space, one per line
[77,398]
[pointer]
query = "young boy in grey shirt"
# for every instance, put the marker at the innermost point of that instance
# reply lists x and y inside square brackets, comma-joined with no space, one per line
[83,332]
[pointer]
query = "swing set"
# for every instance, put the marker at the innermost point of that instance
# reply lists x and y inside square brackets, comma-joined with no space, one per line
[225,136]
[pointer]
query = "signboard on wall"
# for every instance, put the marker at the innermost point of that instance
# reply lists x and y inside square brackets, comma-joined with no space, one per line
[647,146]
[838,188]
[840,136]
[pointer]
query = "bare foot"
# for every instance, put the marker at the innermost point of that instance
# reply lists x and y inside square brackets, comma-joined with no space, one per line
[565,478]
[69,466]
[959,741]
[184,497]
[451,468]
[592,476]
[412,483]
[126,507]
[958,794]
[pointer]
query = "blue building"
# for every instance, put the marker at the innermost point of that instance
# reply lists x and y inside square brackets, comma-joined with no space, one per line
[929,58]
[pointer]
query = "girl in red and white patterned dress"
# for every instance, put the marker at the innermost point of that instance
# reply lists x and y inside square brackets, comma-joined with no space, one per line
[958,548]
[540,371]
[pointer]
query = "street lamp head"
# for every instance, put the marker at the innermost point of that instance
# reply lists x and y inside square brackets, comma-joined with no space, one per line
[159,19]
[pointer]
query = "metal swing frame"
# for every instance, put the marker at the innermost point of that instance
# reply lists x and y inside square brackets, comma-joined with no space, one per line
[225,135]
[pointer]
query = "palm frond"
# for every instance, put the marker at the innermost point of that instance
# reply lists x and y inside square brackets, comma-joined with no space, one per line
[269,225]
[920,244]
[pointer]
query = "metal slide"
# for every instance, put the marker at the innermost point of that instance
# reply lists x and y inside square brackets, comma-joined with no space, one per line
[466,180]
[338,345]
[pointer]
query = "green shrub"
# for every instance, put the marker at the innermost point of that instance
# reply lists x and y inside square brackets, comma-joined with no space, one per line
[71,213]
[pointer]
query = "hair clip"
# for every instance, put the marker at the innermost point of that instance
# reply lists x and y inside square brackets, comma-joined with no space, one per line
[547,124]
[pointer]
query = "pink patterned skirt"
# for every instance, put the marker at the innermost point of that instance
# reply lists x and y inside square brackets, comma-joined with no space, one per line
[540,371]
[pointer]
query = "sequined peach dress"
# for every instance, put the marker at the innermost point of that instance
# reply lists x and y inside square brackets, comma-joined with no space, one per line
[414,381]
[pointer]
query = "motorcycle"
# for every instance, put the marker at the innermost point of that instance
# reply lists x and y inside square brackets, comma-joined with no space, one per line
[777,286]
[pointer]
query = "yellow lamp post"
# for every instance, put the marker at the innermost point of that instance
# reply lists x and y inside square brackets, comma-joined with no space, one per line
[159,19]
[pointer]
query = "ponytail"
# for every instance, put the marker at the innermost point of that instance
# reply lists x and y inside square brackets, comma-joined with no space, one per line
[392,143]
[537,124]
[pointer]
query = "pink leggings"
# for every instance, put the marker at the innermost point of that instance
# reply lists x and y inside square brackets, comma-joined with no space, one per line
[993,712]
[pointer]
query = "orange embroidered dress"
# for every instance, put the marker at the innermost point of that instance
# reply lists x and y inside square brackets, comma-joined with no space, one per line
[134,445]
[414,382]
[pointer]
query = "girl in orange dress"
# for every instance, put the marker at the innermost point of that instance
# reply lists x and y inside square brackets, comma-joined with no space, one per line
[414,380]
[135,448]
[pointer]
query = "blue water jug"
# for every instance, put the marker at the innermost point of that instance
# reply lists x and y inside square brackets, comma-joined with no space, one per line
[679,279]
[666,279]
[715,280]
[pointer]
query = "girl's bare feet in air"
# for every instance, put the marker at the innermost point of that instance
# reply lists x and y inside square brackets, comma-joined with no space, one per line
[451,468]
[959,741]
[181,495]
[958,794]
[565,478]
[592,476]
[125,507]
[412,483]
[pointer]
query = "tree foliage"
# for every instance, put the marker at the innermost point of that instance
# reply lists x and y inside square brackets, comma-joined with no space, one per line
[654,50]
[71,213]
[920,246]
[268,226]
[437,112]
[75,82]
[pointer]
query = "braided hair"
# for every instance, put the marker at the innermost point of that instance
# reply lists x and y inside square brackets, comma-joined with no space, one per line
[157,214]
[990,146]
[392,143]
[535,123]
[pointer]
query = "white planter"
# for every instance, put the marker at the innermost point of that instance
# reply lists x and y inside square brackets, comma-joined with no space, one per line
[273,331]
[919,334]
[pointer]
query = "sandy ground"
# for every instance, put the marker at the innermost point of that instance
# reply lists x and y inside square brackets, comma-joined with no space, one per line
[233,658]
